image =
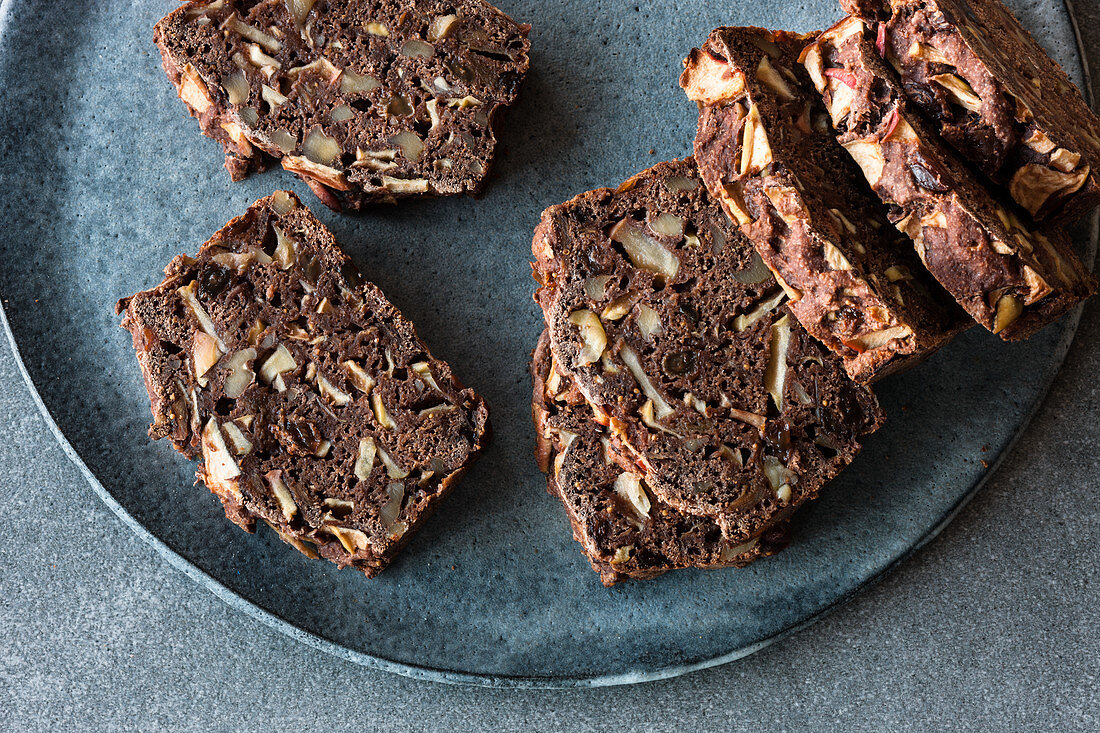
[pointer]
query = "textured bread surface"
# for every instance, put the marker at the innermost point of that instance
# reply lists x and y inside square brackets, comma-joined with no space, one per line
[1011,276]
[767,153]
[309,399]
[364,100]
[679,339]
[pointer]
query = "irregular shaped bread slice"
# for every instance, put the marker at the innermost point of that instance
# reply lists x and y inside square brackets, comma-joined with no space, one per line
[677,336]
[1011,277]
[624,529]
[363,99]
[996,96]
[766,151]
[311,401]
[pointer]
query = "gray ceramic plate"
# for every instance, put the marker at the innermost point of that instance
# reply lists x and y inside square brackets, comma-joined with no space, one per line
[105,179]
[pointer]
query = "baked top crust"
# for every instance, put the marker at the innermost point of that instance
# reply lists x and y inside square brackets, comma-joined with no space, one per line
[996,95]
[1011,276]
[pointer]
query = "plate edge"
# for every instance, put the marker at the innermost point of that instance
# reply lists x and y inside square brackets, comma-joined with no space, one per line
[423,673]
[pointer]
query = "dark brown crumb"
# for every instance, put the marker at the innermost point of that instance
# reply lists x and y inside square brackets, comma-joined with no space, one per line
[310,400]
[364,101]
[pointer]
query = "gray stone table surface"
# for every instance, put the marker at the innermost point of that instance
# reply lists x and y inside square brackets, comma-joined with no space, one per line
[995,625]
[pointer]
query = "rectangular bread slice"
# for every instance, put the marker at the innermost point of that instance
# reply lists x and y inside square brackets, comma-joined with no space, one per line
[678,337]
[996,96]
[308,397]
[766,151]
[623,528]
[364,100]
[1010,276]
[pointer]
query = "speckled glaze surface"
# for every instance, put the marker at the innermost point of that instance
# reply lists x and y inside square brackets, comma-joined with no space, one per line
[105,179]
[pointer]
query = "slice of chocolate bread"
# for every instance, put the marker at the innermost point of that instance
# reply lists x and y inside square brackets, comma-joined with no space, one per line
[1011,277]
[364,100]
[624,529]
[311,401]
[766,151]
[994,94]
[676,334]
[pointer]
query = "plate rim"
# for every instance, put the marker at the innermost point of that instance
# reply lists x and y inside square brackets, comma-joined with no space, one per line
[437,674]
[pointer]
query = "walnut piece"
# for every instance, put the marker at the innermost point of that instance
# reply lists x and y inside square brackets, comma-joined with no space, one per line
[644,251]
[629,487]
[592,333]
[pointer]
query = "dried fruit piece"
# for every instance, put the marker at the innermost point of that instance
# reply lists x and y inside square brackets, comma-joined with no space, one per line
[279,363]
[204,355]
[241,444]
[319,147]
[380,412]
[630,358]
[756,153]
[775,375]
[767,74]
[410,144]
[352,82]
[239,375]
[996,96]
[1034,185]
[742,322]
[282,494]
[649,323]
[869,157]
[668,224]
[218,465]
[629,487]
[364,460]
[960,91]
[442,26]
